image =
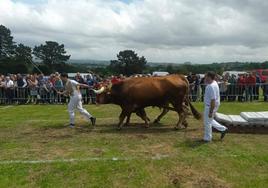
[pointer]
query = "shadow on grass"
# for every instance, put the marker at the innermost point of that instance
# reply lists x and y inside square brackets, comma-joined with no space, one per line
[58,126]
[194,143]
[154,128]
[133,129]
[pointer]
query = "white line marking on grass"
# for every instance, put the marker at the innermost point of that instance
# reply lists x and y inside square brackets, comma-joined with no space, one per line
[6,107]
[155,158]
[49,120]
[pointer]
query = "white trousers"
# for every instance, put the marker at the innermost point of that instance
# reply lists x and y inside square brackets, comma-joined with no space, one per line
[76,103]
[211,122]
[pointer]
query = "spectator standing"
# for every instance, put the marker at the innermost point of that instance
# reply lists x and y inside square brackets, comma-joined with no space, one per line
[190,78]
[223,88]
[91,81]
[79,78]
[33,83]
[14,79]
[241,87]
[122,77]
[9,86]
[21,90]
[115,80]
[232,90]
[53,93]
[257,88]
[195,87]
[50,87]
[58,87]
[83,90]
[265,90]
[43,91]
[203,87]
[2,89]
[250,85]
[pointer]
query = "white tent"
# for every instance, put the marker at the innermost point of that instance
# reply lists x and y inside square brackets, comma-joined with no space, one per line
[160,73]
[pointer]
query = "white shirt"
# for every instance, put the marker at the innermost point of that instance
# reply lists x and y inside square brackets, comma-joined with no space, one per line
[74,87]
[9,84]
[212,92]
[25,83]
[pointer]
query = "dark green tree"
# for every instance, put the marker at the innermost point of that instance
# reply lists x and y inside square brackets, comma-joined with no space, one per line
[23,58]
[51,54]
[23,54]
[170,69]
[7,45]
[128,63]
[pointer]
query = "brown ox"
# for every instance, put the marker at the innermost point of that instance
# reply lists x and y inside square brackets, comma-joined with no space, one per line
[135,94]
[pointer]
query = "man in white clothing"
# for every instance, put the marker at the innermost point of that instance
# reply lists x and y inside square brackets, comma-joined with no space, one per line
[212,104]
[72,89]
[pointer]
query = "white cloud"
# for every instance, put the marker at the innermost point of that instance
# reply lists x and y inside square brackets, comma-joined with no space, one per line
[161,30]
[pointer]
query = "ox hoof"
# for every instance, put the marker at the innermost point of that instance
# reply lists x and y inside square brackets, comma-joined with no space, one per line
[156,121]
[177,128]
[127,124]
[185,125]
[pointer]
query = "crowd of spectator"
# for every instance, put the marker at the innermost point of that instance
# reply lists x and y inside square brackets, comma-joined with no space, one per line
[243,87]
[37,88]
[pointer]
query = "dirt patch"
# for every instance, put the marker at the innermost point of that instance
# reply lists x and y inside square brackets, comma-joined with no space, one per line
[209,181]
[57,134]
[161,148]
[186,177]
[60,136]
[98,151]
[141,136]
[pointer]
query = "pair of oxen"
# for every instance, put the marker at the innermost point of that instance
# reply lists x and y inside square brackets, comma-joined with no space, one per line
[133,95]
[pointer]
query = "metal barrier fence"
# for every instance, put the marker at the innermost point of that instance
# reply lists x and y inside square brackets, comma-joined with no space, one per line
[39,95]
[233,92]
[228,92]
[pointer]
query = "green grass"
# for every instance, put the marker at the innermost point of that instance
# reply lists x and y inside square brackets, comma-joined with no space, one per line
[40,133]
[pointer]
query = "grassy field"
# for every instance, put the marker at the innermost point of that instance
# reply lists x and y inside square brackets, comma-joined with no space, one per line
[132,157]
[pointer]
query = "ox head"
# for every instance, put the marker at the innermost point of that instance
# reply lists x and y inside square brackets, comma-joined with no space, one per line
[103,95]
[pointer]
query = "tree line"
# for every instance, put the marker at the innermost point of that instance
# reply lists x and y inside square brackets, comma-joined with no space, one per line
[186,68]
[19,58]
[52,56]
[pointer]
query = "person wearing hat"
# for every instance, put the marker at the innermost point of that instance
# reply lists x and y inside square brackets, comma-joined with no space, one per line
[72,89]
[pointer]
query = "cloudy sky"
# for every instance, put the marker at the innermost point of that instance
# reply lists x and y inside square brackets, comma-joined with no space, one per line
[200,31]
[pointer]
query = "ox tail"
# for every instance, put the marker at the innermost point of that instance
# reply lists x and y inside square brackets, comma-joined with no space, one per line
[196,114]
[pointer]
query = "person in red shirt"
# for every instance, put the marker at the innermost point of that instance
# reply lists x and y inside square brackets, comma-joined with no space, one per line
[250,85]
[114,80]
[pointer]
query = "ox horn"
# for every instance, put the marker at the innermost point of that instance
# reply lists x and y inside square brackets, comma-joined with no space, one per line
[101,90]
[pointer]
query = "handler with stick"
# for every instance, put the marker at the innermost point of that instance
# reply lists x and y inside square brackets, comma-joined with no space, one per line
[72,89]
